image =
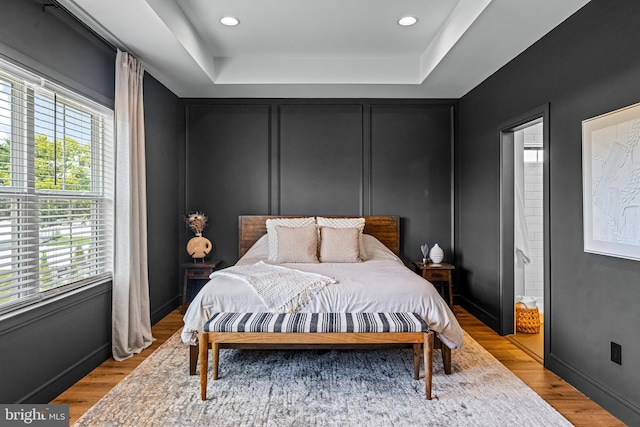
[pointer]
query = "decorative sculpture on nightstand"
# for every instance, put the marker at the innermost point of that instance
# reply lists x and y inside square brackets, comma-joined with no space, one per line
[198,247]
[436,254]
[425,253]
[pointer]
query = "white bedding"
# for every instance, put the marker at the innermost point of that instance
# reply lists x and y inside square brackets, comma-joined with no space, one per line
[380,284]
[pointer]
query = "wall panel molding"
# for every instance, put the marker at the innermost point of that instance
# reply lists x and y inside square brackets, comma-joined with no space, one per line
[323,157]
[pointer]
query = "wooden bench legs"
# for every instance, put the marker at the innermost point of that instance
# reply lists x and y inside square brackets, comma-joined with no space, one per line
[215,360]
[446,357]
[193,358]
[424,340]
[428,362]
[416,361]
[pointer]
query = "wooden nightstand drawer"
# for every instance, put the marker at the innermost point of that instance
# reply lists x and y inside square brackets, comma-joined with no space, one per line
[436,275]
[199,273]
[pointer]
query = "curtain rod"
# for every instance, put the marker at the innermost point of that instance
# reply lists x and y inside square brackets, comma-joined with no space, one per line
[55,4]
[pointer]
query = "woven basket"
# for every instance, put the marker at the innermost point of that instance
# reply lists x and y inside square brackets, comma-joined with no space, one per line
[527,319]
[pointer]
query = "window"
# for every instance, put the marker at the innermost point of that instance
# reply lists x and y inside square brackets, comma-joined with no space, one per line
[533,155]
[56,189]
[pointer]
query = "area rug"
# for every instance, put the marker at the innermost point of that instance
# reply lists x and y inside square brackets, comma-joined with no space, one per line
[321,388]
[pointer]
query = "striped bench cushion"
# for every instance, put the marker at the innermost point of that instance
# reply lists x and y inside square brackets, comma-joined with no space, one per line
[315,322]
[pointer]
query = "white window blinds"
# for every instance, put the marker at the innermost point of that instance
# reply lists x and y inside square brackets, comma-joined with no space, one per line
[56,189]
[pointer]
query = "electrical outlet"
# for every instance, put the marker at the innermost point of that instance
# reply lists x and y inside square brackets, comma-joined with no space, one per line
[616,353]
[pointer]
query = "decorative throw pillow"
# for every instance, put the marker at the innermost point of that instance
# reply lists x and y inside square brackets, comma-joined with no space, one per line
[339,244]
[272,236]
[346,223]
[297,244]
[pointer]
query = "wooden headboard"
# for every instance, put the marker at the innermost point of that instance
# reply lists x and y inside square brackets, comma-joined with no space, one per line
[384,228]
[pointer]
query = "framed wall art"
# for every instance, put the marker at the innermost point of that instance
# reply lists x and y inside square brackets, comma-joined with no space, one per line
[611,183]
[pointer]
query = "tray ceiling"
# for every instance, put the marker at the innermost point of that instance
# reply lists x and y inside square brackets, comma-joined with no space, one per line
[332,48]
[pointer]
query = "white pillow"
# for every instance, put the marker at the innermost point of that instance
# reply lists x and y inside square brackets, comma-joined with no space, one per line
[376,250]
[287,222]
[258,252]
[345,223]
[297,244]
[339,244]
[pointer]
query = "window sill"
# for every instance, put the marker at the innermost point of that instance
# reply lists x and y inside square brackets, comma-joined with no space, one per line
[47,303]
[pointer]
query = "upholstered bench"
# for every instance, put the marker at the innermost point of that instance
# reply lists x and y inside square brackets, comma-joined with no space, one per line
[310,329]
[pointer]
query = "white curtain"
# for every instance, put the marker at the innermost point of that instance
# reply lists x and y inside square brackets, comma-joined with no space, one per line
[131,325]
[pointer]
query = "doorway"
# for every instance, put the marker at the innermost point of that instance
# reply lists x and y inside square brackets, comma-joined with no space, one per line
[524,232]
[528,238]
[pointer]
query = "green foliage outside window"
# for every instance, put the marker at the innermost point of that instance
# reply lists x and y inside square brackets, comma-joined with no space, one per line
[5,162]
[65,165]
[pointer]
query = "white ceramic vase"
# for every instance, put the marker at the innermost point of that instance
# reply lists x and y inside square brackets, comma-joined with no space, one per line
[436,254]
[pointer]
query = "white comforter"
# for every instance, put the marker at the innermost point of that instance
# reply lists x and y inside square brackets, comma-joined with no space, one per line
[380,284]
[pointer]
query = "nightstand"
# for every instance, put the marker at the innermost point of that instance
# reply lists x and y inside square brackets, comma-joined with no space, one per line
[437,273]
[195,271]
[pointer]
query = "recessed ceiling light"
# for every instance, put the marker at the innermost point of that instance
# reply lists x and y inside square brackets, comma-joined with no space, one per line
[407,21]
[229,21]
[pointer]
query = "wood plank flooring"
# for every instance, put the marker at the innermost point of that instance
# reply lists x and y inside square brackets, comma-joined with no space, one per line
[572,404]
[86,392]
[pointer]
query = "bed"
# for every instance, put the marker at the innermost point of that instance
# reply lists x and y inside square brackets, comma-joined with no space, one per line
[381,283]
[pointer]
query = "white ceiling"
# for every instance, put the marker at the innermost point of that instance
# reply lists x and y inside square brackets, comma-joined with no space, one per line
[328,48]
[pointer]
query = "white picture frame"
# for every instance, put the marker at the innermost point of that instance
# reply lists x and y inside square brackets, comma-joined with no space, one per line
[611,183]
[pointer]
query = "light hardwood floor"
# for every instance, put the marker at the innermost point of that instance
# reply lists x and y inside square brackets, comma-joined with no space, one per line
[577,408]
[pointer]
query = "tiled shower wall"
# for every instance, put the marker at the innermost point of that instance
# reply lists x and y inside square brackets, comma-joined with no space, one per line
[534,273]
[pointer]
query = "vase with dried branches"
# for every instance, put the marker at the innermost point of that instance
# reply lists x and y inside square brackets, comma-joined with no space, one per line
[198,247]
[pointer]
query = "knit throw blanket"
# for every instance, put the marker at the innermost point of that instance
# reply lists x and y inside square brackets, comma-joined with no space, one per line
[281,289]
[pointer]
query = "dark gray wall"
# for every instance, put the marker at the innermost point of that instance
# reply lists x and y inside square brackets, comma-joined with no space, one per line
[227,170]
[52,43]
[585,67]
[411,176]
[355,157]
[321,157]
[164,150]
[320,162]
[46,349]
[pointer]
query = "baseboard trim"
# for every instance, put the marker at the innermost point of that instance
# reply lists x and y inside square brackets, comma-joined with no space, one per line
[162,311]
[480,313]
[59,383]
[626,411]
